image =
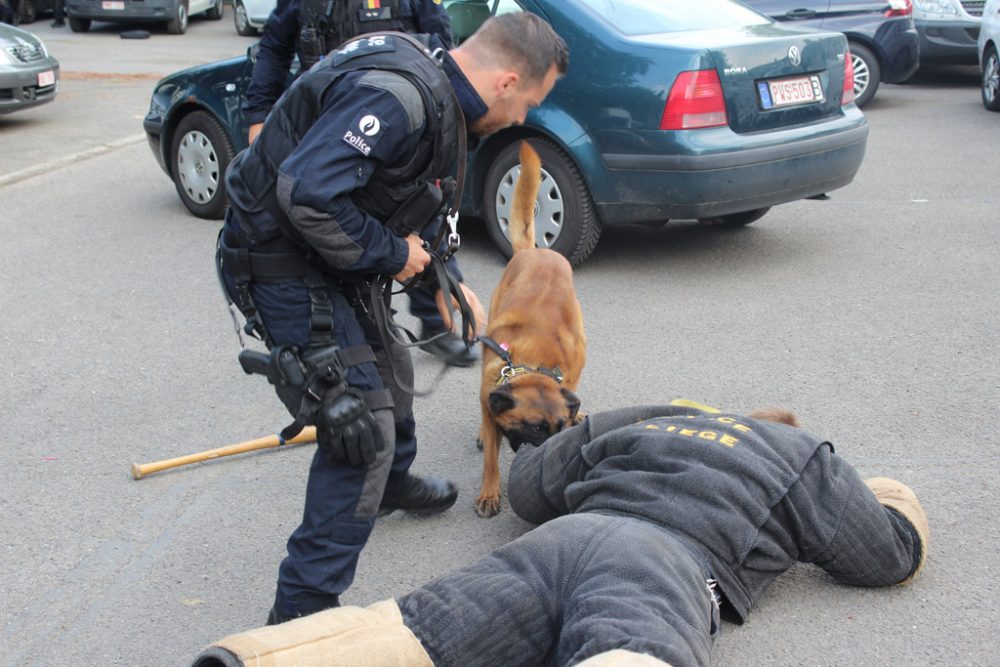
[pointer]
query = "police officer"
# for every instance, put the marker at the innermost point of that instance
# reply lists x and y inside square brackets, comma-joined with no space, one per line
[358,142]
[657,519]
[312,28]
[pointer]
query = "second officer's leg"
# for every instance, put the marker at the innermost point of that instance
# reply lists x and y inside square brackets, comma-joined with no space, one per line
[449,346]
[403,490]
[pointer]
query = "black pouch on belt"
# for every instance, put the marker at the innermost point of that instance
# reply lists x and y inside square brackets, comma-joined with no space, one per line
[417,211]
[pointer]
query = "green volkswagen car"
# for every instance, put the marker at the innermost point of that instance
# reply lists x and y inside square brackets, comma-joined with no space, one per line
[683,110]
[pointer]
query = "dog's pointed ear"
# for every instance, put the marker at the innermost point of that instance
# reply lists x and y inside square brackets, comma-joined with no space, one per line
[572,402]
[501,400]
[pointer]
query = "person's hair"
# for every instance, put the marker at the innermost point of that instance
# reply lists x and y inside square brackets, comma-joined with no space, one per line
[522,41]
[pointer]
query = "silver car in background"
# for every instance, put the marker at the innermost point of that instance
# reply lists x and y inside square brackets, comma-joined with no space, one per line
[948,30]
[989,60]
[29,75]
[249,16]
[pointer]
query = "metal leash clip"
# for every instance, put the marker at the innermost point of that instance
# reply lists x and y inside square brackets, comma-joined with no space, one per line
[454,240]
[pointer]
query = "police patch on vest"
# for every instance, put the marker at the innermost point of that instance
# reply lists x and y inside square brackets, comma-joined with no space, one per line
[363,46]
[375,12]
[364,131]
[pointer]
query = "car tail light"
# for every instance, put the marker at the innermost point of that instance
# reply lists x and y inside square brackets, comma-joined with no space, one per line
[899,8]
[848,94]
[695,101]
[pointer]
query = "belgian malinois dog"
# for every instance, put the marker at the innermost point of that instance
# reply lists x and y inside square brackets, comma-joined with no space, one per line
[534,349]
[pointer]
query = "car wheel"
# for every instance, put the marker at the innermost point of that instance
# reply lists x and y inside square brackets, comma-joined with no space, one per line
[241,21]
[215,13]
[79,25]
[179,24]
[735,219]
[991,80]
[565,216]
[28,12]
[867,73]
[200,153]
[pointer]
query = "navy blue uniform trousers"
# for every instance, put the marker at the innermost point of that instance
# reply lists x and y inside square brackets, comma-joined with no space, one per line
[341,500]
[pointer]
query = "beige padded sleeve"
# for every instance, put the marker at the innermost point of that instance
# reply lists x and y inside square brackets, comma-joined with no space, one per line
[373,636]
[898,496]
[622,658]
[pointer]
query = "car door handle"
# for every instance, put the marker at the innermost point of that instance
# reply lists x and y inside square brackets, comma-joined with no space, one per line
[800,14]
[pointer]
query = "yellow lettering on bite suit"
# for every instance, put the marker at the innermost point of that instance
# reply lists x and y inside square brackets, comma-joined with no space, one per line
[708,435]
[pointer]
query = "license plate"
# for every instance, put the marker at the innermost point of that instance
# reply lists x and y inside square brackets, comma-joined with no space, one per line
[46,78]
[789,92]
[113,4]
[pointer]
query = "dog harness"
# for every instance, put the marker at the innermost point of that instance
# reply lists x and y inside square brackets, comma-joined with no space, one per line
[510,371]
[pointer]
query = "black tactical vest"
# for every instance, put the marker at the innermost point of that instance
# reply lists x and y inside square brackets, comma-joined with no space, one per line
[326,24]
[252,176]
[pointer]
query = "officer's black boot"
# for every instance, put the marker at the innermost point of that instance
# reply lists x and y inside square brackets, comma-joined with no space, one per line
[419,495]
[281,612]
[450,347]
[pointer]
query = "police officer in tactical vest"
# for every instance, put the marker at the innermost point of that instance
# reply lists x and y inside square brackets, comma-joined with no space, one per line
[313,28]
[329,198]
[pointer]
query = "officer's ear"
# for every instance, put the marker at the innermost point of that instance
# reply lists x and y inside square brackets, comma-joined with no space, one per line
[506,83]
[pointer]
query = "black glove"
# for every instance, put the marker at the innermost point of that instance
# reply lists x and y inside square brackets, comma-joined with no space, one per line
[347,431]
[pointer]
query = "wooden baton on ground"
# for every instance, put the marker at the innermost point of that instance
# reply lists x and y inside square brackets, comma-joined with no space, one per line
[140,470]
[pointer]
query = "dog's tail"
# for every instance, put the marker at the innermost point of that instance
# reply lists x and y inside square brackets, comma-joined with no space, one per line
[522,212]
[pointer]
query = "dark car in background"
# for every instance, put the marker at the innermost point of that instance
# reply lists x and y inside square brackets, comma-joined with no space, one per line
[174,14]
[28,11]
[690,109]
[881,34]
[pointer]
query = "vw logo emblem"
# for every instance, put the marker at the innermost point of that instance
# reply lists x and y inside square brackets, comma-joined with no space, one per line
[794,56]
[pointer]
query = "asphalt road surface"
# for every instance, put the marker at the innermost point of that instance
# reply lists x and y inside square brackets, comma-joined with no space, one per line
[873,316]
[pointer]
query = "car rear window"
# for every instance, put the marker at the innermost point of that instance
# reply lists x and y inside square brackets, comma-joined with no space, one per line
[644,17]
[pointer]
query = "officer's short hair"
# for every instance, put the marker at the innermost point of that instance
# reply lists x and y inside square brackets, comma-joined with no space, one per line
[522,41]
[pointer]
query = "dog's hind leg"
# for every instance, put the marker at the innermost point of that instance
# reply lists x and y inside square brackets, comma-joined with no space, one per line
[488,502]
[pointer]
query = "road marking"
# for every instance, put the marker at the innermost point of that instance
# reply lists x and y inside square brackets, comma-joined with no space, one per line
[59,163]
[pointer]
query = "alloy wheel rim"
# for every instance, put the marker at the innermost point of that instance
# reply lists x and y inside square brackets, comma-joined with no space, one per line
[198,167]
[991,79]
[862,75]
[241,16]
[549,207]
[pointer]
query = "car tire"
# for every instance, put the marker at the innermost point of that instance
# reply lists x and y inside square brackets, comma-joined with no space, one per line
[991,80]
[28,13]
[867,73]
[215,13]
[79,25]
[179,24]
[566,219]
[242,21]
[741,219]
[199,155]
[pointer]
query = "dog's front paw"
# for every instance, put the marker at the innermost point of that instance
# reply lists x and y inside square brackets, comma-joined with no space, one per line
[487,506]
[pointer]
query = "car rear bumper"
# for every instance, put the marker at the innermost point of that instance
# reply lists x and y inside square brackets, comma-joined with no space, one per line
[948,42]
[655,188]
[154,10]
